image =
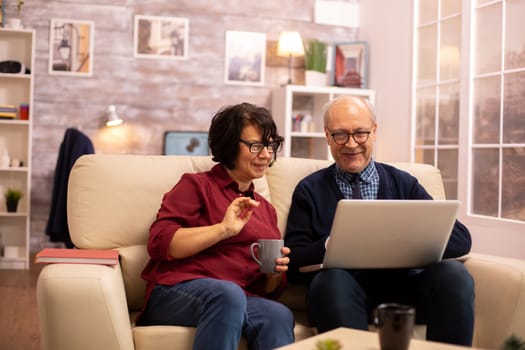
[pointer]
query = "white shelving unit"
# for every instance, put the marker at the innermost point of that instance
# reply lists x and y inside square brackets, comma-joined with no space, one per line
[306,139]
[16,89]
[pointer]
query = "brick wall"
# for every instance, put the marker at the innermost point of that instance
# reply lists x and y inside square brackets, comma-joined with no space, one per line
[151,95]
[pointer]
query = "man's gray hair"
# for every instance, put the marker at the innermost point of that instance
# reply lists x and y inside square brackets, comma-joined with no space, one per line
[364,100]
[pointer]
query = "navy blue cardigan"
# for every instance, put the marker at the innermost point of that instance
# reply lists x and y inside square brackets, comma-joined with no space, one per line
[313,207]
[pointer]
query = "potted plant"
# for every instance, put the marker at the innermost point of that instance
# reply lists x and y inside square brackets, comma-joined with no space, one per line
[12,197]
[19,5]
[315,60]
[513,342]
[328,344]
[15,22]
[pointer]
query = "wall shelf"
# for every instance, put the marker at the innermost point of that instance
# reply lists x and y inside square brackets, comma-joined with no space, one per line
[16,89]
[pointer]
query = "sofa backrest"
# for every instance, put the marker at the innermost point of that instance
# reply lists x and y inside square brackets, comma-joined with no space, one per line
[113,199]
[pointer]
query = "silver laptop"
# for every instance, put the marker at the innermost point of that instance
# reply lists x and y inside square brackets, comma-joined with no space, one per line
[368,234]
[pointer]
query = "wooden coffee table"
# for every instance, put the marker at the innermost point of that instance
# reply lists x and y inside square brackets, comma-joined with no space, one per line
[352,339]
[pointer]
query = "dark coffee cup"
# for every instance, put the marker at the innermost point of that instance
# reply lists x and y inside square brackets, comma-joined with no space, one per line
[395,323]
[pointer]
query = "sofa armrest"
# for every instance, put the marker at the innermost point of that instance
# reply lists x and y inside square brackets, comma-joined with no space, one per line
[499,300]
[83,306]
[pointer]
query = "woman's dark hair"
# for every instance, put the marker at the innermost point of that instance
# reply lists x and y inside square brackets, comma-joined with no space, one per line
[226,127]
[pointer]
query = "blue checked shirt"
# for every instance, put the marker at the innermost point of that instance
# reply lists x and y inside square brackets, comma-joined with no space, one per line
[368,181]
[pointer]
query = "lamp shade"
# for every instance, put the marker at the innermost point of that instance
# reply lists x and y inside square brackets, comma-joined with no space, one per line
[290,44]
[112,118]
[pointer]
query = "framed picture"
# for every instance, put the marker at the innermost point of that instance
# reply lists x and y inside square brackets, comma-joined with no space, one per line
[350,64]
[71,47]
[161,37]
[191,143]
[245,58]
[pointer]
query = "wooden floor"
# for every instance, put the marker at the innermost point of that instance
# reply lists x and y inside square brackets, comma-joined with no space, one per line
[19,328]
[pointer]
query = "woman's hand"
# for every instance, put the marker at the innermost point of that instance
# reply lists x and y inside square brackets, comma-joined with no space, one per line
[237,215]
[188,241]
[273,280]
[282,263]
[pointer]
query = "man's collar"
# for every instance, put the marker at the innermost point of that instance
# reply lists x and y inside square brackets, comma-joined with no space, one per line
[365,176]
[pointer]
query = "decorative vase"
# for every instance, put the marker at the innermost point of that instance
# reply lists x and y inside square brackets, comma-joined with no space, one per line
[314,78]
[11,206]
[13,23]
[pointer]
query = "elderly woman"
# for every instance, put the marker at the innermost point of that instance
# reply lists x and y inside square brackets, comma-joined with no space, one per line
[201,273]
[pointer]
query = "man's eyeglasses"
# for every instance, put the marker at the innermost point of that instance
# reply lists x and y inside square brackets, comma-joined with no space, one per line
[341,138]
[257,147]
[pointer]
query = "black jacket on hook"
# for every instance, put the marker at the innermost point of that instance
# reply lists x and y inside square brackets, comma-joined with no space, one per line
[74,145]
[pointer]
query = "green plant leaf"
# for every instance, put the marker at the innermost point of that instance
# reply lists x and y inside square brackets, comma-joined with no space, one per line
[19,5]
[328,344]
[315,56]
[513,342]
[13,194]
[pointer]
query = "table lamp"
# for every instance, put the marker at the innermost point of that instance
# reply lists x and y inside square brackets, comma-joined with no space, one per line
[290,44]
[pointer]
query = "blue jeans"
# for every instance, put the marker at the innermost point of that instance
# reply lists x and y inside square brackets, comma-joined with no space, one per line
[442,293]
[221,312]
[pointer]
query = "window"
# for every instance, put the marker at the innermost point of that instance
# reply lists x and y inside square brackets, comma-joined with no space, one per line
[485,73]
[498,110]
[437,88]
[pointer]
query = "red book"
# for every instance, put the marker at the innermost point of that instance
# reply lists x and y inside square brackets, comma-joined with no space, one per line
[77,256]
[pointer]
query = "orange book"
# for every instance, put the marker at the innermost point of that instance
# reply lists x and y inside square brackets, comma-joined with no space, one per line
[77,256]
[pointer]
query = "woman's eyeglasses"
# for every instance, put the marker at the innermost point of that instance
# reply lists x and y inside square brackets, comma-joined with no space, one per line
[257,147]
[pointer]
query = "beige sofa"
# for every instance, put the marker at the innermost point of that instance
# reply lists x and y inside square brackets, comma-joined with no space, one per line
[112,200]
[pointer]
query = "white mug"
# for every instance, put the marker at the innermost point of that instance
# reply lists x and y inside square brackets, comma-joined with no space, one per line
[268,251]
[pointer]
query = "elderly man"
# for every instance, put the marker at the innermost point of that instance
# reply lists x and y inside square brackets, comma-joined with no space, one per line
[442,293]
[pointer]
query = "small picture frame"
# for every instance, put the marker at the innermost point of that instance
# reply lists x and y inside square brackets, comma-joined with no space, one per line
[1,13]
[245,58]
[161,37]
[350,68]
[190,143]
[71,47]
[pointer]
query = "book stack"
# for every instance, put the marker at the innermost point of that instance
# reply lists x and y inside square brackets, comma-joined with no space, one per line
[7,111]
[78,256]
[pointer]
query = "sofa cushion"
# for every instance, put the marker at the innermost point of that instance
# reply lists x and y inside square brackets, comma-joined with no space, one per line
[282,178]
[500,295]
[132,260]
[164,337]
[427,175]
